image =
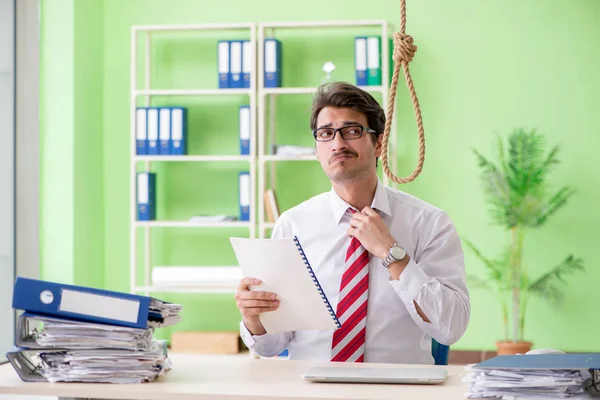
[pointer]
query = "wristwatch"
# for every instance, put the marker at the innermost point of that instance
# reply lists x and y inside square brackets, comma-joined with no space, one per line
[396,253]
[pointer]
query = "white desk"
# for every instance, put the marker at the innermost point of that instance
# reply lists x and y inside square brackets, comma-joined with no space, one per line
[234,377]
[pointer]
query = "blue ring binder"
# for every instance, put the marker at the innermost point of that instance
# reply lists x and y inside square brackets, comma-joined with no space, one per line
[316,281]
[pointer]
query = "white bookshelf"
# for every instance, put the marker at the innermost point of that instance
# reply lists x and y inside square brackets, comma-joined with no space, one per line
[267,162]
[199,278]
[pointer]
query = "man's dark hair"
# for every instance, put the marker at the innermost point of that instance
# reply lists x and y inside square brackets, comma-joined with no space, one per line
[344,95]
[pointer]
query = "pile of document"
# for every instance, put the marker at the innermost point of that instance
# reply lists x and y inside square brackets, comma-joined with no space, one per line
[534,376]
[537,383]
[104,345]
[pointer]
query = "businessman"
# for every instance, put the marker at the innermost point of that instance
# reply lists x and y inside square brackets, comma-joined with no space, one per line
[391,265]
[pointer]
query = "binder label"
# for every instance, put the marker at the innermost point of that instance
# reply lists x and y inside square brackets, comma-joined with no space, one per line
[165,131]
[99,306]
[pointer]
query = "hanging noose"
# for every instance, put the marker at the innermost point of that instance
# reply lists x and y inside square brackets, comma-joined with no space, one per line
[404,51]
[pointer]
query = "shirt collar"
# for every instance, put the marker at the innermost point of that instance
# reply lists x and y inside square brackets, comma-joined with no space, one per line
[380,202]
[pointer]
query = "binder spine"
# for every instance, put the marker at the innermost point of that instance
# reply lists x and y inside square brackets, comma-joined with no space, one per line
[316,282]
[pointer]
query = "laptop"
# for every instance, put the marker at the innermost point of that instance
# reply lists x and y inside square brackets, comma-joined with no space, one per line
[405,375]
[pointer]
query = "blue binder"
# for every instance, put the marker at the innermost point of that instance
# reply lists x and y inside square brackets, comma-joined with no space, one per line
[141,131]
[360,60]
[223,64]
[543,361]
[153,128]
[82,303]
[272,63]
[246,63]
[244,129]
[244,199]
[178,131]
[164,132]
[235,64]
[146,196]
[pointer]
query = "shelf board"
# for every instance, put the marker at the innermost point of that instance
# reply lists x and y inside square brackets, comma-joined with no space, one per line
[289,157]
[267,225]
[309,90]
[322,24]
[197,27]
[189,224]
[193,92]
[193,158]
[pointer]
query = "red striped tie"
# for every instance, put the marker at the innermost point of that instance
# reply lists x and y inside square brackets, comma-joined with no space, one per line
[348,343]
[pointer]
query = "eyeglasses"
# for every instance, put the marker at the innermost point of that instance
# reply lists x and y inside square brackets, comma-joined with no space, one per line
[350,132]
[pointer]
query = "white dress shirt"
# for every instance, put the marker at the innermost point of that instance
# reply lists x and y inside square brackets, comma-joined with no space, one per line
[434,278]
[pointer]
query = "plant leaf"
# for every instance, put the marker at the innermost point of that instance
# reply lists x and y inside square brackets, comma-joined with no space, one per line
[557,201]
[547,285]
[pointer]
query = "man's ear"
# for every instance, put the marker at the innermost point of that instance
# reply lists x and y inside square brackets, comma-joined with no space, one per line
[379,145]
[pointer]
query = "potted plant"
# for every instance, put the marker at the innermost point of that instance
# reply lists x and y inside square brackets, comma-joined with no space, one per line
[519,200]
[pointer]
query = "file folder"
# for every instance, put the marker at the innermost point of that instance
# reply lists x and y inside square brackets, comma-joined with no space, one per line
[246,63]
[178,131]
[360,60]
[153,131]
[272,73]
[146,196]
[86,304]
[164,131]
[141,132]
[373,61]
[589,361]
[244,196]
[223,64]
[36,331]
[235,57]
[244,127]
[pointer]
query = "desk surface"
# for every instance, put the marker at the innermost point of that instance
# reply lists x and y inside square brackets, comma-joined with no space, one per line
[235,377]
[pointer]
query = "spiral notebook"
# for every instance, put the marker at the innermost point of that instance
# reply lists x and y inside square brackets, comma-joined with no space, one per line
[284,269]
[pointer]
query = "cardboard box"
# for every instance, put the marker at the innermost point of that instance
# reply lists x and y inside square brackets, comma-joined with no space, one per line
[206,342]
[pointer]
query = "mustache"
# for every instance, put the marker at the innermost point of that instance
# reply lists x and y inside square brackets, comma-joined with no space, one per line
[342,153]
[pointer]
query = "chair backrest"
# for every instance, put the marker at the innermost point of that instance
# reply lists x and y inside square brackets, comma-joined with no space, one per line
[439,352]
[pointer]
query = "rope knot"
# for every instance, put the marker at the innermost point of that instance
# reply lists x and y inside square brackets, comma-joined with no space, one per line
[404,48]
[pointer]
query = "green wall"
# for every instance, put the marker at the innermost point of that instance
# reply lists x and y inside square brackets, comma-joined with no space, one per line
[482,68]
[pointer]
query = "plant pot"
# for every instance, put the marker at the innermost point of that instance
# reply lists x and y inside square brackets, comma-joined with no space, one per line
[509,348]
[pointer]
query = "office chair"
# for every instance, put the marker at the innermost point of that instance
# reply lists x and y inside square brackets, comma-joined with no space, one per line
[439,352]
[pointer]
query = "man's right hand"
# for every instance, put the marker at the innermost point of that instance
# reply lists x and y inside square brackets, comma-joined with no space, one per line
[253,303]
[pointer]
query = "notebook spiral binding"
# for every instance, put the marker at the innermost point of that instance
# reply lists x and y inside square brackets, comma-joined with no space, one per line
[316,282]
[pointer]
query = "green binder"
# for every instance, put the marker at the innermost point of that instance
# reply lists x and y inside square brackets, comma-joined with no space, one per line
[373,60]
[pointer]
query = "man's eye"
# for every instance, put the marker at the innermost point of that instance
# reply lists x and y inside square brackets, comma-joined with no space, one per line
[353,131]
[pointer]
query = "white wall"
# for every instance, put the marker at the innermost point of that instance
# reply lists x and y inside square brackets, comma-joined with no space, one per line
[7,172]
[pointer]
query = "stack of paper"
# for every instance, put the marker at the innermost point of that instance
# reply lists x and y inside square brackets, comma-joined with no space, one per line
[52,332]
[163,314]
[534,376]
[530,383]
[76,334]
[106,366]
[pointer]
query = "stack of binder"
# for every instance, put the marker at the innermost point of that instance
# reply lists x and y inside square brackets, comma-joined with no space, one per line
[234,63]
[367,60]
[161,131]
[547,376]
[77,334]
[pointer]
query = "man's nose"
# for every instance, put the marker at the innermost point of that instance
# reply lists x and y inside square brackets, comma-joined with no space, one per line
[338,143]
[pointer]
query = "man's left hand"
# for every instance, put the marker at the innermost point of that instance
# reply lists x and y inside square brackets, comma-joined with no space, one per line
[374,235]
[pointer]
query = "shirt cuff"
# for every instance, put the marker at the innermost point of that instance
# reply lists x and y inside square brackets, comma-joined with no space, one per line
[410,283]
[246,336]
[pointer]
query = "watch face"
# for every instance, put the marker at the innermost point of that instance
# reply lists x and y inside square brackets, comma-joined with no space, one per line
[398,252]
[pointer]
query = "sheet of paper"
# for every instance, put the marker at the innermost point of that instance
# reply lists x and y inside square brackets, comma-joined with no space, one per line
[281,268]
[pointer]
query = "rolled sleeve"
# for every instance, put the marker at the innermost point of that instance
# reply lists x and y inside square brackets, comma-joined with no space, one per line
[267,345]
[411,281]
